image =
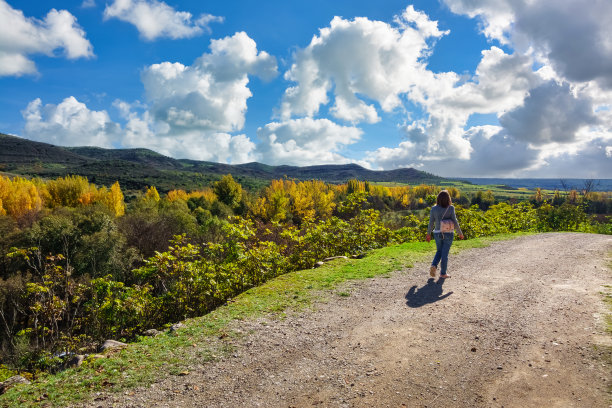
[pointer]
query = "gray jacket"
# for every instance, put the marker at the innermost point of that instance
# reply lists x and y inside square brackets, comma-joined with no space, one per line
[435,216]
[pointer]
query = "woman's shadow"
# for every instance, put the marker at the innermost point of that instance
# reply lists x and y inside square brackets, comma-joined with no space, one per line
[431,292]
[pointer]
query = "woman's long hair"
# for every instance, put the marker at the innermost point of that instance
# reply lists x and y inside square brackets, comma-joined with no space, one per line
[444,199]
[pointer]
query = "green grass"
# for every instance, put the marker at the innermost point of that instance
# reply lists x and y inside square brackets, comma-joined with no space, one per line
[205,338]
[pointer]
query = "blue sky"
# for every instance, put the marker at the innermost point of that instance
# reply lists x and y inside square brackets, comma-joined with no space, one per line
[498,88]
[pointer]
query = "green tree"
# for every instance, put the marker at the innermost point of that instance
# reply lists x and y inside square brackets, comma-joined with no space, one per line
[228,191]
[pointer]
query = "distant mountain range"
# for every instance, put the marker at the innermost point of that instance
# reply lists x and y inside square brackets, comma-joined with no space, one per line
[139,168]
[544,183]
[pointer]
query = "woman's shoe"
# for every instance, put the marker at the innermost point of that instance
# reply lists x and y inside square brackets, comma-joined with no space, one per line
[444,276]
[432,271]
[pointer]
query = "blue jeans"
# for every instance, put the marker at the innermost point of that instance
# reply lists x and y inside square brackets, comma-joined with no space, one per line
[443,245]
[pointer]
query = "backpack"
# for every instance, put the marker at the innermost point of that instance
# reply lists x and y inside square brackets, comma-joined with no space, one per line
[446,225]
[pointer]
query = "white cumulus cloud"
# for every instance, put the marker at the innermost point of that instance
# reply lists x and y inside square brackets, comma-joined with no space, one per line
[190,111]
[501,82]
[495,154]
[551,113]
[589,159]
[70,123]
[359,66]
[22,36]
[142,130]
[155,19]
[573,35]
[357,59]
[305,141]
[566,114]
[211,94]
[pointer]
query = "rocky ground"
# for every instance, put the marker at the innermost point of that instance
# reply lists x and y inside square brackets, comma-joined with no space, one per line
[519,324]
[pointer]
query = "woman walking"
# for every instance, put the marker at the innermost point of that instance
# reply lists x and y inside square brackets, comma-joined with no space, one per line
[443,222]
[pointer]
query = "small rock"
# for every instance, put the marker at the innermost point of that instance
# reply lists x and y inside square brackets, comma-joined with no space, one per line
[112,344]
[11,382]
[318,264]
[175,327]
[331,258]
[500,367]
[151,333]
[473,349]
[74,361]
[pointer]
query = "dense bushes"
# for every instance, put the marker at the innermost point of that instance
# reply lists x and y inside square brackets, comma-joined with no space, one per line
[58,311]
[90,271]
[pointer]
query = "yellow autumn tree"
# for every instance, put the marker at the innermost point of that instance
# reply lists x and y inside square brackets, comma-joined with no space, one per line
[277,200]
[70,191]
[152,194]
[423,190]
[286,200]
[538,196]
[26,197]
[206,194]
[174,195]
[274,202]
[258,208]
[380,191]
[316,199]
[339,189]
[302,201]
[355,186]
[115,200]
[19,196]
[454,193]
[5,186]
[91,195]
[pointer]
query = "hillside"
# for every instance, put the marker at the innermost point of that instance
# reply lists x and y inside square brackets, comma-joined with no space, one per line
[138,168]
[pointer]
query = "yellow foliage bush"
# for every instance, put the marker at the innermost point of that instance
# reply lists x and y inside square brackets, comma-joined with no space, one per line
[175,195]
[18,196]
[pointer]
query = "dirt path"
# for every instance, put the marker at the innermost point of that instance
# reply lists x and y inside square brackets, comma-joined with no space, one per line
[516,326]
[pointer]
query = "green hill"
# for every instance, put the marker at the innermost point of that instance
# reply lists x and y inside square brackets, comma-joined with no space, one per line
[139,168]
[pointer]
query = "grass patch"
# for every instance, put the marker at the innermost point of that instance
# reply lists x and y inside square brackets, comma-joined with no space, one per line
[202,339]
